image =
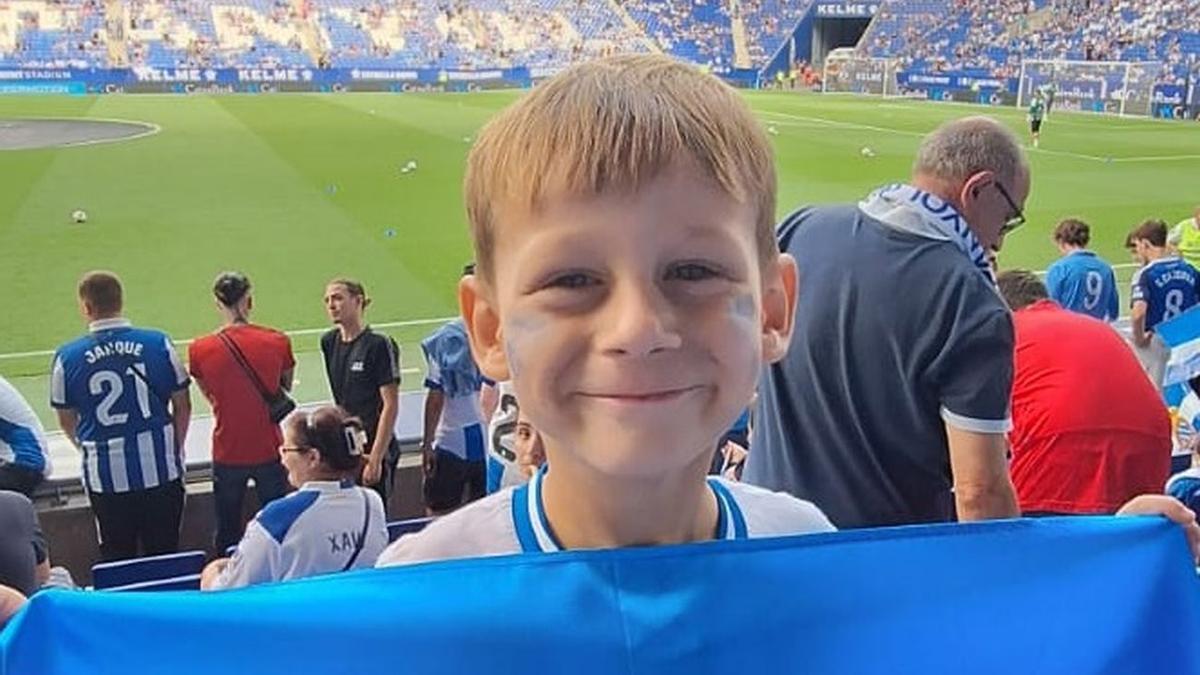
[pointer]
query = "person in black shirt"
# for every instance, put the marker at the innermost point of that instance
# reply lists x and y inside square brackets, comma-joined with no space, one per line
[364,376]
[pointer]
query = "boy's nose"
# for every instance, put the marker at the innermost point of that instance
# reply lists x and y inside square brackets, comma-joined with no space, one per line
[639,322]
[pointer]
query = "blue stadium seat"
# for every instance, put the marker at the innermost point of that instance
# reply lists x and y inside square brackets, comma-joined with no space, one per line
[168,572]
[399,527]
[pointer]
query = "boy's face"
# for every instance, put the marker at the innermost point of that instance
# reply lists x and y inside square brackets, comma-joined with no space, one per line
[633,326]
[1140,251]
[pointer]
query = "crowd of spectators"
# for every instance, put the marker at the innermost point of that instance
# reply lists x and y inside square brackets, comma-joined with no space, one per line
[987,38]
[59,34]
[770,23]
[992,38]
[697,30]
[406,33]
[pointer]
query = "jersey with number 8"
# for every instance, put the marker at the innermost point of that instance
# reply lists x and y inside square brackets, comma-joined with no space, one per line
[119,380]
[1168,286]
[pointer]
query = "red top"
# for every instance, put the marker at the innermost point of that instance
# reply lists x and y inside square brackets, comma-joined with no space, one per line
[1089,429]
[243,434]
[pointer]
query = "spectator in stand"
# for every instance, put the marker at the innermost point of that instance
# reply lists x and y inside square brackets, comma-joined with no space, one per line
[327,525]
[503,468]
[24,560]
[24,452]
[233,367]
[1076,448]
[1185,485]
[1185,238]
[452,443]
[364,376]
[121,394]
[1081,281]
[899,413]
[1163,288]
[529,448]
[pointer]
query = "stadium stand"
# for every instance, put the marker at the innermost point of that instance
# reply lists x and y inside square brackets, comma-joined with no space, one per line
[991,39]
[769,23]
[52,35]
[397,528]
[984,38]
[698,31]
[169,572]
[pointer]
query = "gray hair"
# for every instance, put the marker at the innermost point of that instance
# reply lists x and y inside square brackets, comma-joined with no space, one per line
[961,148]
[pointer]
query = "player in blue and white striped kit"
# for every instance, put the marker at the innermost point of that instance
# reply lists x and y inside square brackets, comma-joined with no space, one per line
[121,394]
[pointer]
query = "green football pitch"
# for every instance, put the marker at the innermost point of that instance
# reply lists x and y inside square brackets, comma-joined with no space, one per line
[297,189]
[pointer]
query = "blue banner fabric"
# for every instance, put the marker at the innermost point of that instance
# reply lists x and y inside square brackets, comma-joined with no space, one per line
[1057,595]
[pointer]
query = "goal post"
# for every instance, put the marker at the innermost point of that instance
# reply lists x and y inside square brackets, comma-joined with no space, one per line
[1114,87]
[847,71]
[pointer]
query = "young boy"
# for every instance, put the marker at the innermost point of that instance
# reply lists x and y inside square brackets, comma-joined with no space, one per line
[629,285]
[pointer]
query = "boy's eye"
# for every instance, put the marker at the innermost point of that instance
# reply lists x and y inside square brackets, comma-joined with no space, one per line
[692,272]
[572,280]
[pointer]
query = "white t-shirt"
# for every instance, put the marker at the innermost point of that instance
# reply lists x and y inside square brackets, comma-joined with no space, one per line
[22,438]
[513,521]
[460,430]
[312,531]
[503,470]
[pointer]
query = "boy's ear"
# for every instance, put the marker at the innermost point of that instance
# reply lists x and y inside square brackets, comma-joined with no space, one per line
[483,327]
[780,288]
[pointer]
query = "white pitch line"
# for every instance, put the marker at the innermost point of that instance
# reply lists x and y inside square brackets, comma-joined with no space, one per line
[149,129]
[1064,153]
[302,331]
[847,125]
[905,132]
[1155,158]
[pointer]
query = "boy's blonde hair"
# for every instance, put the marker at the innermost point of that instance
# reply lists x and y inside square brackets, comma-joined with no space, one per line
[615,124]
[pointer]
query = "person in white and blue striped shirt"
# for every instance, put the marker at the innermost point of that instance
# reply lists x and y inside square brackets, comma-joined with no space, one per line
[24,453]
[121,394]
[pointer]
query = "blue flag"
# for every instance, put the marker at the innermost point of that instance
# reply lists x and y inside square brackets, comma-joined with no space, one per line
[1182,335]
[1064,595]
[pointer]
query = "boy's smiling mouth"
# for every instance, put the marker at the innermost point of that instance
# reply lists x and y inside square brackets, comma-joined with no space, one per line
[653,395]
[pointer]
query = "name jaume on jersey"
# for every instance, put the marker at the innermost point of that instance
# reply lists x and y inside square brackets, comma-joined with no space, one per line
[116,347]
[1174,275]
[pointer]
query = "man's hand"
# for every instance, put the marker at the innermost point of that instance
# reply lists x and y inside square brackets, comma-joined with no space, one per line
[373,471]
[212,571]
[1173,509]
[428,459]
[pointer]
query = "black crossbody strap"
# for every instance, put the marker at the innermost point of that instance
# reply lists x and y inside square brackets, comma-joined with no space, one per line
[137,373]
[241,360]
[362,538]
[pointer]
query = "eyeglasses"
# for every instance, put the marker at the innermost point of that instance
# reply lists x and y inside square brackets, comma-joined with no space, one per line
[285,448]
[1015,217]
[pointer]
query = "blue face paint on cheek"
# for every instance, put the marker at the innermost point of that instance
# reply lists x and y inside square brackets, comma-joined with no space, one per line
[518,332]
[744,307]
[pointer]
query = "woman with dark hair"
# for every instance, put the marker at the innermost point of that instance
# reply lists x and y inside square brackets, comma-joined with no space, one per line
[327,525]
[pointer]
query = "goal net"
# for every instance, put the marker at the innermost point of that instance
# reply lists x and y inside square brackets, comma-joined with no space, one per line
[1115,87]
[846,71]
